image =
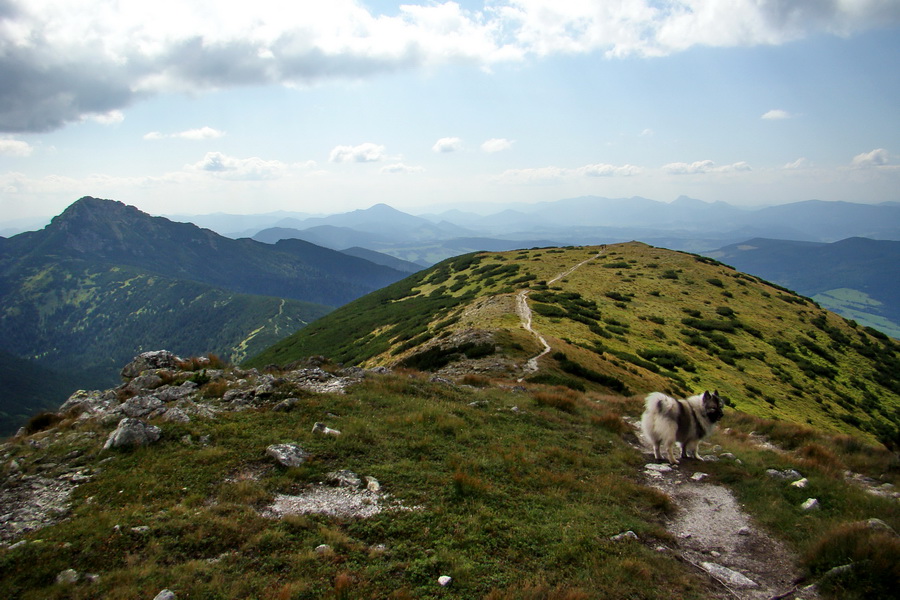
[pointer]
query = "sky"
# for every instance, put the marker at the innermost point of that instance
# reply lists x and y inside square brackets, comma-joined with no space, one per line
[203,106]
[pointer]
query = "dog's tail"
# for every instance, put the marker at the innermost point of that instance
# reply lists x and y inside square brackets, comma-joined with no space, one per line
[660,404]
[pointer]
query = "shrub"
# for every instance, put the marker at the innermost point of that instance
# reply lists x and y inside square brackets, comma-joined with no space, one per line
[41,421]
[563,400]
[856,561]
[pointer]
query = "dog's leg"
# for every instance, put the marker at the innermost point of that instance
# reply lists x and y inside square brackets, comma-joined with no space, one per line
[656,454]
[671,454]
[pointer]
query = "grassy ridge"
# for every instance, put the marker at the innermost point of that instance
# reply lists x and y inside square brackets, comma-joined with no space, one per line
[635,318]
[514,494]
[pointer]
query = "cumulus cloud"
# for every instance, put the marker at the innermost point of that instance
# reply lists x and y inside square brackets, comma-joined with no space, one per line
[447,144]
[496,145]
[876,158]
[704,166]
[367,152]
[18,148]
[64,61]
[776,114]
[554,174]
[229,167]
[203,133]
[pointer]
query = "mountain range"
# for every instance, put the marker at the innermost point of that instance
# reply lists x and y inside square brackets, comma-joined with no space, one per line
[104,281]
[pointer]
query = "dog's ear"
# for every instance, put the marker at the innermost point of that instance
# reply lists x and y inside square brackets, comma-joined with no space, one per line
[706,396]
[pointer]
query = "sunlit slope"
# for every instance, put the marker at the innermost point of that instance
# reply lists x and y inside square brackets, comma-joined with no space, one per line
[631,319]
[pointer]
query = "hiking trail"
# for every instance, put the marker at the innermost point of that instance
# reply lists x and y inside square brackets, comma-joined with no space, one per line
[524,312]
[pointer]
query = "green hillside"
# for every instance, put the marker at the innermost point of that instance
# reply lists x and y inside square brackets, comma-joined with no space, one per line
[632,319]
[75,314]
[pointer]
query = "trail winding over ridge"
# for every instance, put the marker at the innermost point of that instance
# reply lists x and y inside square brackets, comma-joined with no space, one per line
[524,312]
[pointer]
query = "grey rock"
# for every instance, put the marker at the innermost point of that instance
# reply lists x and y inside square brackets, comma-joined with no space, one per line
[810,504]
[727,455]
[90,402]
[176,415]
[170,393]
[800,483]
[144,382]
[879,525]
[372,484]
[625,535]
[699,476]
[141,406]
[728,576]
[286,405]
[132,432]
[157,359]
[67,577]
[744,531]
[166,594]
[444,580]
[344,478]
[658,467]
[288,455]
[323,549]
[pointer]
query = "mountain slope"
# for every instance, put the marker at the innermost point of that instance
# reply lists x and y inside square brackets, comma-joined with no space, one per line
[631,319]
[109,231]
[829,272]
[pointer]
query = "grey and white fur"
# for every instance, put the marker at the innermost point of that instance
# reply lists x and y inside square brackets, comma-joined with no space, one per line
[667,420]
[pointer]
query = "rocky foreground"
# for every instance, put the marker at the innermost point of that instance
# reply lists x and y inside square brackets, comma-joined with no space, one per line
[160,385]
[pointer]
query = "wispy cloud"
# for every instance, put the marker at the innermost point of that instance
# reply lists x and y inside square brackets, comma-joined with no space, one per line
[554,174]
[64,61]
[203,133]
[447,144]
[400,168]
[776,114]
[704,166]
[367,152]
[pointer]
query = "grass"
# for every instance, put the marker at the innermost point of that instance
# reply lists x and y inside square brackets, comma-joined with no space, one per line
[513,504]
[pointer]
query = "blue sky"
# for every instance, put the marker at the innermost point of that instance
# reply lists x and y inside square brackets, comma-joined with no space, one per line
[189,107]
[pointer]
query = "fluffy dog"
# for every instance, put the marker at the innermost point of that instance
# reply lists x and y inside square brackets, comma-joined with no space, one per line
[668,420]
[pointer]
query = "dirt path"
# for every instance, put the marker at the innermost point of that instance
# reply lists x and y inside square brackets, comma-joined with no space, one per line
[524,312]
[715,535]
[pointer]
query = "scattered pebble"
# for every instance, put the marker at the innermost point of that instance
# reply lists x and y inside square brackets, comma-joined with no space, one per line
[810,504]
[625,535]
[444,580]
[699,476]
[800,483]
[732,578]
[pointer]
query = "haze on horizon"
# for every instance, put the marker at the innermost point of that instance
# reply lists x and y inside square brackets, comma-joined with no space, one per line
[193,107]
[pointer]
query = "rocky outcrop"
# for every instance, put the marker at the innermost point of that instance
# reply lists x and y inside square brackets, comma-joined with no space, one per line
[132,433]
[160,389]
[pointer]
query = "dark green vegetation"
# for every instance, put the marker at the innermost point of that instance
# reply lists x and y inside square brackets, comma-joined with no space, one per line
[27,388]
[858,278]
[105,281]
[512,494]
[671,321]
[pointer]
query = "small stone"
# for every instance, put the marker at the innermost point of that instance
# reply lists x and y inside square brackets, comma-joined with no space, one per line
[744,531]
[444,580]
[140,529]
[810,504]
[372,484]
[323,549]
[132,432]
[286,405]
[699,476]
[166,594]
[324,429]
[625,535]
[791,474]
[344,478]
[727,455]
[91,577]
[659,468]
[800,483]
[879,525]
[68,576]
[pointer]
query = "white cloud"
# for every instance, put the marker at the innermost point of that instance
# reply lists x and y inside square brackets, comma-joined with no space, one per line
[229,167]
[647,133]
[496,145]
[447,144]
[203,133]
[63,61]
[876,158]
[776,114]
[17,148]
[367,152]
[400,168]
[112,117]
[704,166]
[559,174]
[800,163]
